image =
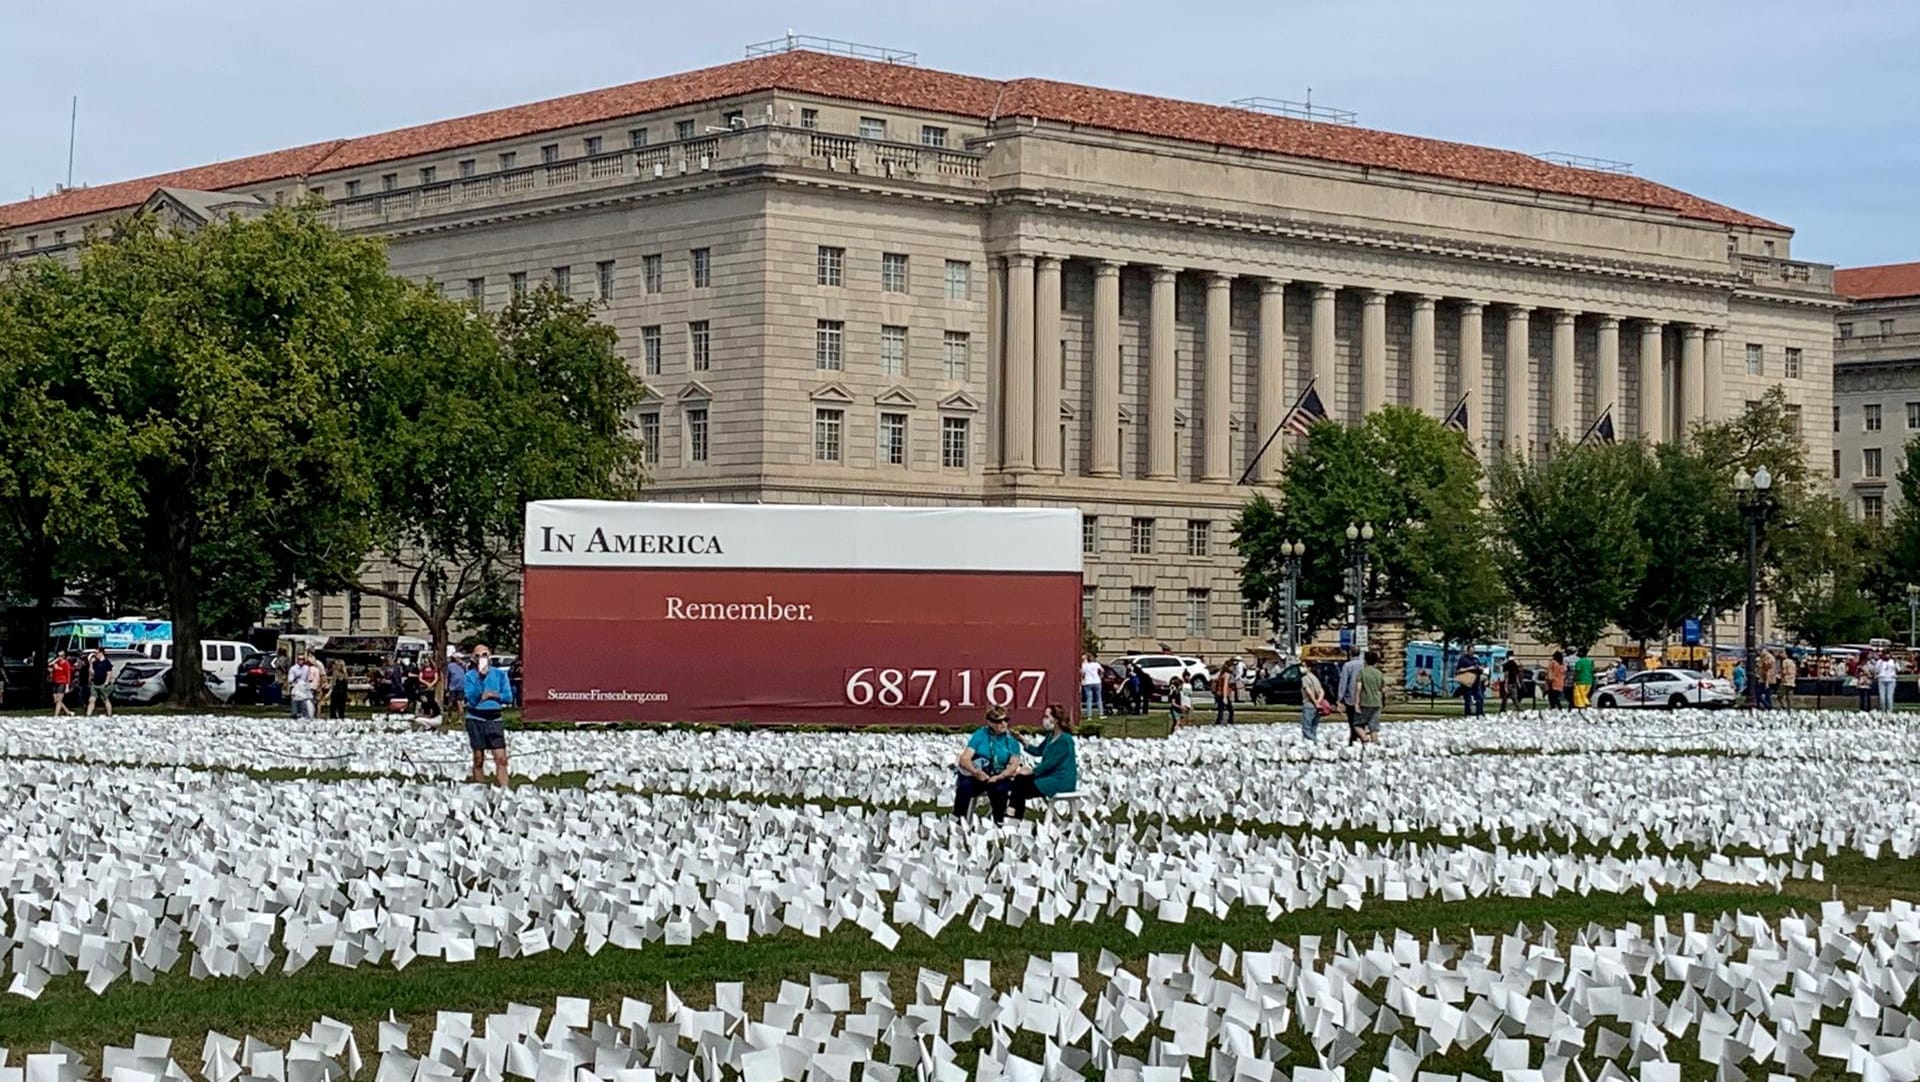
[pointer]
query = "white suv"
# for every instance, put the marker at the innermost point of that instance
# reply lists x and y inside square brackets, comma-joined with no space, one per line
[1164,667]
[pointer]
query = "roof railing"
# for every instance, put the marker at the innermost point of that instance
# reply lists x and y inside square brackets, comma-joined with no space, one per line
[1582,161]
[793,42]
[1298,110]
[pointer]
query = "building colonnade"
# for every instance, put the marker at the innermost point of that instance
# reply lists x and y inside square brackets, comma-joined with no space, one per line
[1025,315]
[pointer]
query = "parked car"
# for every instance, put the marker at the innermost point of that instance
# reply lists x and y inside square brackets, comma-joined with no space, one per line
[257,683]
[1280,687]
[1164,667]
[145,682]
[1667,688]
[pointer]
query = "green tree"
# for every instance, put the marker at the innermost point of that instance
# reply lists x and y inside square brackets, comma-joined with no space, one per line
[1695,541]
[470,420]
[1453,583]
[1821,592]
[235,355]
[1570,547]
[1887,580]
[1766,433]
[1401,470]
[492,616]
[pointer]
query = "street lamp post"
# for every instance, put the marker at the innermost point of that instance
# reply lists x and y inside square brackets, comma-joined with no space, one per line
[1290,554]
[1753,494]
[1913,614]
[1359,536]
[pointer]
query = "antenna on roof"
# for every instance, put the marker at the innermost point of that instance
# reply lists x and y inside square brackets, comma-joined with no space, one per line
[73,128]
[1299,110]
[1581,161]
[793,43]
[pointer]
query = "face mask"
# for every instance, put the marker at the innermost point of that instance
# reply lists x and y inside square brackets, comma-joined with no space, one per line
[1046,724]
[484,662]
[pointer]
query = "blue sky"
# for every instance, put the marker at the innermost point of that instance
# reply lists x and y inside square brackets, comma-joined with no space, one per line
[1804,113]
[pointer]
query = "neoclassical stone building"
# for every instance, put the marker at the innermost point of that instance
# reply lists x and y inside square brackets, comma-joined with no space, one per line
[850,281]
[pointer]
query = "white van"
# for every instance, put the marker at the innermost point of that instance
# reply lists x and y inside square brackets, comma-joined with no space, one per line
[221,657]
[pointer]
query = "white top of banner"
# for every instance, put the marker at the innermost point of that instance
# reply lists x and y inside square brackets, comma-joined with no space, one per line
[595,533]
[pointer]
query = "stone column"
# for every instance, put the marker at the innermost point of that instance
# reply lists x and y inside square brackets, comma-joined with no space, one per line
[1606,377]
[1106,369]
[1421,370]
[1473,382]
[1714,391]
[1561,403]
[1653,399]
[1017,387]
[1693,376]
[1519,427]
[1322,349]
[1272,360]
[1047,365]
[1160,376]
[996,358]
[1217,381]
[1373,351]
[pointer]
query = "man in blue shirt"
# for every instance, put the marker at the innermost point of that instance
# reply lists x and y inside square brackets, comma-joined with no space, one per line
[986,765]
[488,692]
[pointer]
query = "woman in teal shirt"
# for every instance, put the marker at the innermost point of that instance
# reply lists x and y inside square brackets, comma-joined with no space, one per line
[987,765]
[1056,767]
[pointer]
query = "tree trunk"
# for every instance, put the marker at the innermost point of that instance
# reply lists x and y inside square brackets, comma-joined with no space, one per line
[45,590]
[437,636]
[183,601]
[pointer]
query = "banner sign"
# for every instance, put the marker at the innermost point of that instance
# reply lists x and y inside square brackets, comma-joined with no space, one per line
[783,613]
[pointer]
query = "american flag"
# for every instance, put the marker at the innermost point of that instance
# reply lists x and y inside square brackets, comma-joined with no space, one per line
[1305,413]
[1602,430]
[1457,420]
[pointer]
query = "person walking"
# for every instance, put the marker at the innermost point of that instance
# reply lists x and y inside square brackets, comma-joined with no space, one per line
[1092,704]
[99,677]
[1510,682]
[1350,687]
[489,693]
[303,686]
[456,680]
[1370,697]
[1582,680]
[1222,689]
[1763,686]
[1179,703]
[1313,704]
[1884,674]
[1237,672]
[1471,675]
[1861,669]
[1556,679]
[337,686]
[1789,676]
[60,675]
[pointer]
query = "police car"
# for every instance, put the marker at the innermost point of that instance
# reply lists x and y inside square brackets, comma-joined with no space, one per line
[1667,688]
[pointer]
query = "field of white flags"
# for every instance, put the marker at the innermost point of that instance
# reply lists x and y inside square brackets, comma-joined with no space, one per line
[1540,896]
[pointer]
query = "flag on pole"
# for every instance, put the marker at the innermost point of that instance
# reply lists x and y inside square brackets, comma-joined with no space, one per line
[1601,431]
[1457,420]
[1307,411]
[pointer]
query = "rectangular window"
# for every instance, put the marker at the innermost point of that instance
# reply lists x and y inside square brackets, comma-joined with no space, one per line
[699,345]
[1756,359]
[1886,328]
[651,277]
[1089,533]
[959,279]
[319,190]
[1870,463]
[893,439]
[1836,462]
[1140,610]
[810,118]
[591,144]
[1196,614]
[1140,537]
[636,138]
[353,189]
[1913,415]
[1872,507]
[893,350]
[507,160]
[829,265]
[1089,596]
[1846,330]
[1793,417]
[953,442]
[603,274]
[1791,367]
[826,434]
[563,281]
[1253,623]
[734,118]
[650,351]
[955,346]
[893,272]
[683,129]
[702,259]
[697,434]
[550,154]
[428,174]
[650,438]
[467,167]
[1836,418]
[872,127]
[932,135]
[389,181]
[1199,532]
[477,291]
[828,336]
[1871,415]
[517,284]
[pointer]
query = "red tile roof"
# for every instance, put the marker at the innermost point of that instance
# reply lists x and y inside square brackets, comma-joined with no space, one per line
[901,86]
[1878,283]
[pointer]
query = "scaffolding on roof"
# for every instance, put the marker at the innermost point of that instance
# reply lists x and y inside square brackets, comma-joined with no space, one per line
[1581,161]
[793,42]
[1298,110]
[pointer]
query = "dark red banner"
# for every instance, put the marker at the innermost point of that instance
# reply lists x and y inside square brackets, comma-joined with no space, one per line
[793,646]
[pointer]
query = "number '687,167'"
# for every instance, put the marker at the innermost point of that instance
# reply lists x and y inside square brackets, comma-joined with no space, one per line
[943,690]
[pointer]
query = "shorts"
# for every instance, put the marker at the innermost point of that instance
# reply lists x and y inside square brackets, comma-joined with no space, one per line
[100,694]
[485,733]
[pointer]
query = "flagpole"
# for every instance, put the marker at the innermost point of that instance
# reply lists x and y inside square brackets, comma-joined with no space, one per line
[1595,425]
[1275,434]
